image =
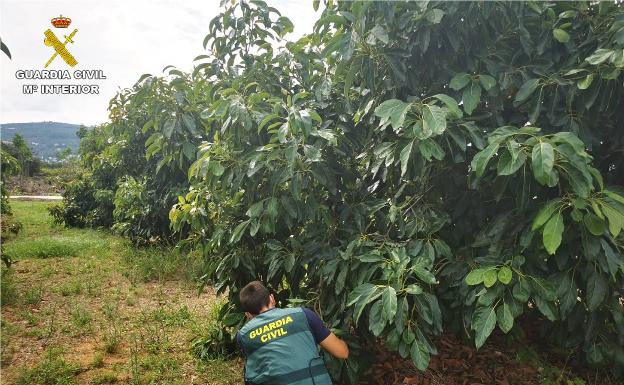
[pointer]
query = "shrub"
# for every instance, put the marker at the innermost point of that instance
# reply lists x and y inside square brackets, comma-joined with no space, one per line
[139,213]
[84,205]
[217,340]
[136,164]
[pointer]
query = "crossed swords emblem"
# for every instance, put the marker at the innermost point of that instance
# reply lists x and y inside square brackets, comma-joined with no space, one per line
[52,40]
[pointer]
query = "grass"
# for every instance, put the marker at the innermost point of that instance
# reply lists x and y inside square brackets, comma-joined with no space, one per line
[70,288]
[8,293]
[47,247]
[157,263]
[111,312]
[81,319]
[33,296]
[51,370]
[104,378]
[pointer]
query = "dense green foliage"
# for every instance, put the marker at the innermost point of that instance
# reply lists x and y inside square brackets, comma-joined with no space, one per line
[136,164]
[407,168]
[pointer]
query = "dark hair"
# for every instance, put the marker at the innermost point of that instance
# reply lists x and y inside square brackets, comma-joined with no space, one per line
[253,297]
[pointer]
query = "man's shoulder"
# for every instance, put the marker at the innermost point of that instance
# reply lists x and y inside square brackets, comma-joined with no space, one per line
[310,313]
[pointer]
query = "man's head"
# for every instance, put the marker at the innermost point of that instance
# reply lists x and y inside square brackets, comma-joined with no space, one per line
[255,299]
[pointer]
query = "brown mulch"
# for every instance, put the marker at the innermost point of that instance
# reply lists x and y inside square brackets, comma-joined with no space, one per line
[456,364]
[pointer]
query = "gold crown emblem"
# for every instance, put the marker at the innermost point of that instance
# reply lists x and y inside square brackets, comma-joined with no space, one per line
[61,22]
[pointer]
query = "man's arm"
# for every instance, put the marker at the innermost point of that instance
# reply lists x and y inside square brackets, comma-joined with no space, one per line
[324,337]
[335,346]
[239,343]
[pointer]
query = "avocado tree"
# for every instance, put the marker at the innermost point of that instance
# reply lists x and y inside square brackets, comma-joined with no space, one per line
[413,167]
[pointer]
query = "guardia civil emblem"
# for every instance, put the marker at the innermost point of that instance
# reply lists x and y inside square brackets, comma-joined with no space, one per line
[59,47]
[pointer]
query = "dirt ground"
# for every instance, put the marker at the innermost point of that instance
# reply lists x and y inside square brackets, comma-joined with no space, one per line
[92,317]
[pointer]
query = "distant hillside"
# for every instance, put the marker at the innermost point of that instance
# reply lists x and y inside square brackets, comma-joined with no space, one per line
[44,138]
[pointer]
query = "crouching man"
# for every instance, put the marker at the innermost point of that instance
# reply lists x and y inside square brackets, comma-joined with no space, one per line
[280,345]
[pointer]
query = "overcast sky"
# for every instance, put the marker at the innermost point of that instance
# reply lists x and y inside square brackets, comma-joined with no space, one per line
[124,38]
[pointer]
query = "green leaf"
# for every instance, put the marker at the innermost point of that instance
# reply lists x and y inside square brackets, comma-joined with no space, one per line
[362,296]
[451,105]
[434,119]
[168,127]
[376,320]
[567,292]
[545,213]
[255,210]
[526,90]
[543,288]
[459,81]
[505,275]
[266,120]
[572,140]
[483,322]
[434,15]
[480,161]
[471,97]
[596,291]
[584,83]
[507,165]
[561,35]
[595,225]
[552,233]
[487,81]
[370,257]
[217,169]
[487,297]
[601,55]
[414,289]
[489,278]
[615,217]
[392,111]
[543,160]
[424,274]
[419,354]
[273,207]
[405,156]
[238,231]
[504,317]
[546,308]
[358,292]
[430,148]
[520,291]
[614,196]
[615,262]
[475,277]
[380,34]
[389,303]
[401,315]
[189,151]
[189,123]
